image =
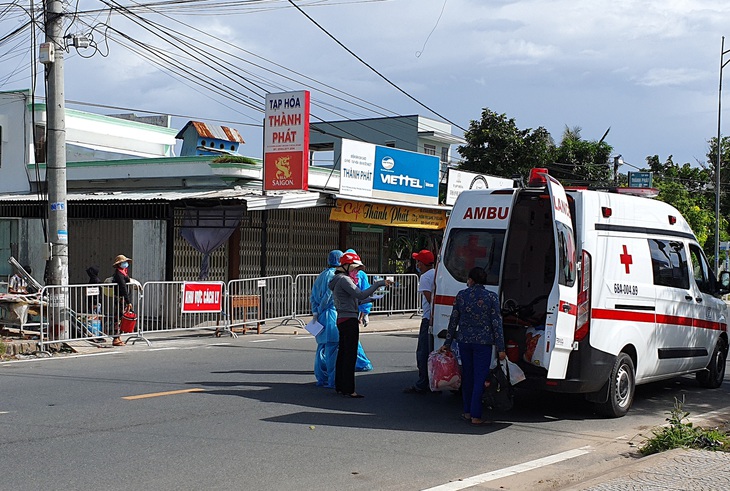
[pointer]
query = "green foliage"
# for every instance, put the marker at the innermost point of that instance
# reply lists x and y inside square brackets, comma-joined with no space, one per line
[680,433]
[496,146]
[689,190]
[579,160]
[234,159]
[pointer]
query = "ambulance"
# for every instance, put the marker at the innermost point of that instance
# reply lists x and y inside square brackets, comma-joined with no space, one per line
[600,291]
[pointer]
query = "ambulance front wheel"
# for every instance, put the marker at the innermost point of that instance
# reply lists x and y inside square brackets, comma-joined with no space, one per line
[714,374]
[621,388]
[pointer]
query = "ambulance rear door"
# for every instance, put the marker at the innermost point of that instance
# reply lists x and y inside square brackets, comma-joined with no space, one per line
[474,236]
[562,306]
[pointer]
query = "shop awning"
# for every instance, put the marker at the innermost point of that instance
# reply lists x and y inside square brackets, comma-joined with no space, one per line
[253,198]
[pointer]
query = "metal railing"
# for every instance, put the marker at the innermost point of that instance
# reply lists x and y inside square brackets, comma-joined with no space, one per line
[255,301]
[90,312]
[401,297]
[80,312]
[162,311]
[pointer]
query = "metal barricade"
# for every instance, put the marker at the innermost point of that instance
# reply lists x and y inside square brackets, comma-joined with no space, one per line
[255,301]
[82,312]
[401,297]
[303,284]
[162,309]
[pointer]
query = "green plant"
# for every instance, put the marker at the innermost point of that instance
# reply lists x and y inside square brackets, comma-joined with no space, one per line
[681,433]
[3,348]
[234,159]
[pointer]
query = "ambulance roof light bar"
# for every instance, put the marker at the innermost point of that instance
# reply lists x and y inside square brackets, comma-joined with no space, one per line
[537,177]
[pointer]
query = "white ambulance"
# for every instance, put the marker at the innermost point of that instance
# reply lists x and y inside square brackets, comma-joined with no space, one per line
[600,291]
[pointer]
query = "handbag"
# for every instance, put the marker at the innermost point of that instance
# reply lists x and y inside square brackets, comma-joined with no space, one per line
[499,394]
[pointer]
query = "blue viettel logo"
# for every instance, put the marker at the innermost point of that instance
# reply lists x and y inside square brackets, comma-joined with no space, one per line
[387,163]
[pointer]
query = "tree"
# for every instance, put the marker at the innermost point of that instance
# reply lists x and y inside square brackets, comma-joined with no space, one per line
[496,146]
[689,190]
[581,161]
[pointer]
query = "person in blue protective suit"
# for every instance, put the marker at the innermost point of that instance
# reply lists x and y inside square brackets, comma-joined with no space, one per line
[323,310]
[363,363]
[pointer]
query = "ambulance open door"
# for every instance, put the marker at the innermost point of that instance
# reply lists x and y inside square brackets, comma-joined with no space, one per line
[562,301]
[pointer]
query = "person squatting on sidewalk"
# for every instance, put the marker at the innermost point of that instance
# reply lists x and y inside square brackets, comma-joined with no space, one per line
[363,363]
[477,316]
[347,298]
[424,266]
[323,311]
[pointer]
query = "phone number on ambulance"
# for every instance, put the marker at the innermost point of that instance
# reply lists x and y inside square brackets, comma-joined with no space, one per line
[625,289]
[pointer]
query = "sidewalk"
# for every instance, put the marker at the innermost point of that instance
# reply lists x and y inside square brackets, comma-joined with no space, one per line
[678,469]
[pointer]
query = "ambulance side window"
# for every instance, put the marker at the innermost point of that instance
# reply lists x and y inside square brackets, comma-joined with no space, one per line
[669,263]
[470,247]
[701,270]
[566,255]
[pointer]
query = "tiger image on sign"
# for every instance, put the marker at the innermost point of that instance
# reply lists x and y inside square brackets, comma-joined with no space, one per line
[283,168]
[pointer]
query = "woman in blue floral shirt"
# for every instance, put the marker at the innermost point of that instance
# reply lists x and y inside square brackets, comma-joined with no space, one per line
[476,313]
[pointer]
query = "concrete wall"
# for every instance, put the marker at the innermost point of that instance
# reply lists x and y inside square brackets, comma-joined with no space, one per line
[16,142]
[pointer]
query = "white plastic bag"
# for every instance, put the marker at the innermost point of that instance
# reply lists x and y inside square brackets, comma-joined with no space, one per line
[516,375]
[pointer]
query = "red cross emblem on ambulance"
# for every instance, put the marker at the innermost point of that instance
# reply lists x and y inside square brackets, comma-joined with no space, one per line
[626,260]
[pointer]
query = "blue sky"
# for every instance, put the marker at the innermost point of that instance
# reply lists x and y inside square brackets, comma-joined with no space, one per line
[647,69]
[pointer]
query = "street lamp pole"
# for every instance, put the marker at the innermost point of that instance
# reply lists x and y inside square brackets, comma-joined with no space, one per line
[723,62]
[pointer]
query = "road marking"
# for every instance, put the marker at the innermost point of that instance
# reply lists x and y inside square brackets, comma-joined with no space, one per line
[262,340]
[159,394]
[511,471]
[4,412]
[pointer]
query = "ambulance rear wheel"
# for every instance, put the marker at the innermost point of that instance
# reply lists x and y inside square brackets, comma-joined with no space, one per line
[621,388]
[713,376]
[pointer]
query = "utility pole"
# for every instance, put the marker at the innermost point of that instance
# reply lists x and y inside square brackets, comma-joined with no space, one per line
[52,53]
[56,146]
[616,162]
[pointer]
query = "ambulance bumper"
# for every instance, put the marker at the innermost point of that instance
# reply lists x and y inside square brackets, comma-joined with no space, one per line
[588,371]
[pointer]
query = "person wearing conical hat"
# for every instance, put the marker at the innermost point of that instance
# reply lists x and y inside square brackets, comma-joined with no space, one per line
[123,298]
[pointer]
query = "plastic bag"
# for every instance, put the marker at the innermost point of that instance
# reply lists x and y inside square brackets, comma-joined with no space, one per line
[535,352]
[499,393]
[512,370]
[443,371]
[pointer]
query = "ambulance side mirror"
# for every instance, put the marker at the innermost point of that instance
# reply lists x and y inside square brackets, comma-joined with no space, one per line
[724,282]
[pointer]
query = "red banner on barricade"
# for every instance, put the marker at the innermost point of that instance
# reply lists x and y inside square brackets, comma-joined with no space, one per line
[202,297]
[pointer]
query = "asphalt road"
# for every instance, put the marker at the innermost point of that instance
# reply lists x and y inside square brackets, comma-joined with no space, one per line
[250,417]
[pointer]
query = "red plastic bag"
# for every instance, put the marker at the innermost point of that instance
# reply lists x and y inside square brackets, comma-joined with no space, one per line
[443,371]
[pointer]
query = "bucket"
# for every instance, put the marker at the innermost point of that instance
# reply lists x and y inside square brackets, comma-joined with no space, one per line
[128,322]
[513,351]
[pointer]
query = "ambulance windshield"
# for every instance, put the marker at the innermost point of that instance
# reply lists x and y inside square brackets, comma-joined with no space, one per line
[470,247]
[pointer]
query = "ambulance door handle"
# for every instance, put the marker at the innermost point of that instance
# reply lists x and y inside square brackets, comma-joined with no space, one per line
[566,308]
[698,299]
[688,297]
